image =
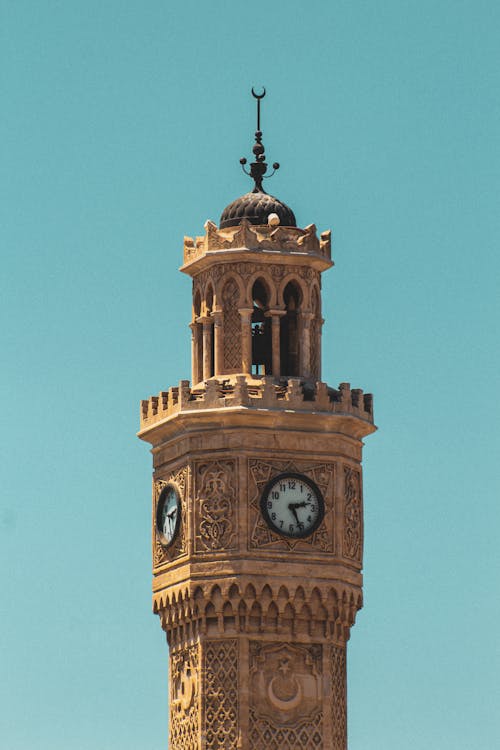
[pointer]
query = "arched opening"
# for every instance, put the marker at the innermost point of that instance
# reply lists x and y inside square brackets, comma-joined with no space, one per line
[209,302]
[198,340]
[261,331]
[315,334]
[289,334]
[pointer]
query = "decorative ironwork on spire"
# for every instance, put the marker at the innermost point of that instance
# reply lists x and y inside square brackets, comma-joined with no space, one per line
[258,168]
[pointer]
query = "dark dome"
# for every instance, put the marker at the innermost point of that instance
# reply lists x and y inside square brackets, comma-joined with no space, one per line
[256,207]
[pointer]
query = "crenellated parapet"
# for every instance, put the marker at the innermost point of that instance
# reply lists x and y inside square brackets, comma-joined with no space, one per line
[250,237]
[292,394]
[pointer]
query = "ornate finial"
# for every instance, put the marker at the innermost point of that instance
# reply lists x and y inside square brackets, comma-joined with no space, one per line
[258,168]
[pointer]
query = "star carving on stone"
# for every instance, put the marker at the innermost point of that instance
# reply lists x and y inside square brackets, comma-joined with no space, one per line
[284,666]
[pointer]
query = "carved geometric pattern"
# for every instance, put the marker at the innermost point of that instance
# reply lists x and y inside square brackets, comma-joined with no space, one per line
[338,698]
[286,697]
[178,548]
[352,542]
[220,695]
[232,326]
[184,700]
[215,505]
[261,535]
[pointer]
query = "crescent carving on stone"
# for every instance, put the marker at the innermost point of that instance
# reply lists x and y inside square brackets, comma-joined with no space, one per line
[285,705]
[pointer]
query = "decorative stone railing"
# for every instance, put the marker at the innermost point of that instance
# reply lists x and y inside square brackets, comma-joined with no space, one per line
[292,394]
[284,239]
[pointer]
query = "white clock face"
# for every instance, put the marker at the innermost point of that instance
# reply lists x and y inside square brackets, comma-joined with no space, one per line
[292,505]
[168,515]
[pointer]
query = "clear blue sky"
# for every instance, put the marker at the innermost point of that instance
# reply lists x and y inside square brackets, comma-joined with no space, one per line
[123,123]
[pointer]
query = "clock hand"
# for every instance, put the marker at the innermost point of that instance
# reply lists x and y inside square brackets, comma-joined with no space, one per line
[292,507]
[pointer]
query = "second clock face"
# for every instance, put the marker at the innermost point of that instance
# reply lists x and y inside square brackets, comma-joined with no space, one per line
[168,514]
[292,505]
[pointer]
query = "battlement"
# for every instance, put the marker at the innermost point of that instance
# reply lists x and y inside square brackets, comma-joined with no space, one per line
[292,394]
[250,237]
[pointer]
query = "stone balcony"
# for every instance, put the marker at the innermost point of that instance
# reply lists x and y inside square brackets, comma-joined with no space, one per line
[241,391]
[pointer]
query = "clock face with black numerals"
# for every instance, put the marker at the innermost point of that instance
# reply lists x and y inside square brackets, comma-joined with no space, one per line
[292,505]
[168,514]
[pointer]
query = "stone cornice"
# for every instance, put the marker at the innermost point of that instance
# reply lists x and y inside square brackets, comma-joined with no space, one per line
[245,240]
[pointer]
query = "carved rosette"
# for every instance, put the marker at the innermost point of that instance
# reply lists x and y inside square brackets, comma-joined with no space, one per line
[215,505]
[353,522]
[178,548]
[184,699]
[220,694]
[286,696]
[339,697]
[259,473]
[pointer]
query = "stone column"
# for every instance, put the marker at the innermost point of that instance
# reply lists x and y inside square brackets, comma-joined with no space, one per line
[207,346]
[246,339]
[217,317]
[195,336]
[305,349]
[275,316]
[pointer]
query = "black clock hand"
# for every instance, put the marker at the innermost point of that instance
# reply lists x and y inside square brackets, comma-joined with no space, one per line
[292,507]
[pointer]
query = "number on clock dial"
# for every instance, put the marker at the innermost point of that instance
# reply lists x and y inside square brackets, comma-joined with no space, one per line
[293,506]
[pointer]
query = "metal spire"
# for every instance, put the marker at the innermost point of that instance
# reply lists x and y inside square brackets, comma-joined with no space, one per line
[258,168]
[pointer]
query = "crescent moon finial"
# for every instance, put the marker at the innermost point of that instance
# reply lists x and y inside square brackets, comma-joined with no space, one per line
[259,96]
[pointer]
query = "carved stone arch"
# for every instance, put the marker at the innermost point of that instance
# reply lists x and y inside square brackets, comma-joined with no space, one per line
[294,278]
[294,297]
[261,295]
[234,591]
[266,594]
[209,298]
[197,295]
[250,593]
[221,283]
[268,283]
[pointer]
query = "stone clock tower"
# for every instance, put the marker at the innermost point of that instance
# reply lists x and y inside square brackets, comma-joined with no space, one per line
[257,493]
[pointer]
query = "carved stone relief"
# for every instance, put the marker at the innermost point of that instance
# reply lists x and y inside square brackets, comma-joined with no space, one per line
[232,327]
[260,535]
[215,505]
[184,699]
[338,700]
[220,694]
[353,536]
[178,548]
[286,697]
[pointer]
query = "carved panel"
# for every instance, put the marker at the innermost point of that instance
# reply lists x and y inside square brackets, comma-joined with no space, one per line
[338,698]
[353,530]
[259,473]
[286,697]
[232,327]
[178,548]
[221,695]
[184,700]
[215,505]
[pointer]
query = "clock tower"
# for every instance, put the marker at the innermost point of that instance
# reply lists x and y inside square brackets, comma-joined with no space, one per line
[257,516]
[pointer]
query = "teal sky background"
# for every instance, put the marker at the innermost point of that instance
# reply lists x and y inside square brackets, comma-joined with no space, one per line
[123,123]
